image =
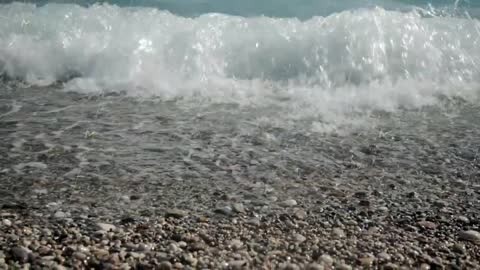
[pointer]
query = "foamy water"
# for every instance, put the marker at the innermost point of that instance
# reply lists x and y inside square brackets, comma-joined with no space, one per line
[347,63]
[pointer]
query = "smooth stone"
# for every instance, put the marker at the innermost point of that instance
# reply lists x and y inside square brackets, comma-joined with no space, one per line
[105,227]
[227,211]
[384,256]
[175,213]
[390,266]
[427,224]
[236,244]
[343,266]
[383,209]
[298,238]
[7,222]
[315,266]
[459,248]
[165,266]
[239,208]
[80,256]
[326,260]
[470,235]
[237,264]
[289,266]
[300,214]
[367,261]
[463,219]
[288,203]
[188,257]
[338,232]
[20,253]
[60,214]
[254,221]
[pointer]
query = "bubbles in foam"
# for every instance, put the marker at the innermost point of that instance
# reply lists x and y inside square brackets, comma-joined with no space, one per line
[348,62]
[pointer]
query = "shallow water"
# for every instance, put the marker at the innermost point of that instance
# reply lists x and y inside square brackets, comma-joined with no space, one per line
[102,101]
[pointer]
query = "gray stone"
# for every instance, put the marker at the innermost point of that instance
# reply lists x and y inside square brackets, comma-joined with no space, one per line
[60,214]
[326,260]
[21,253]
[289,266]
[175,213]
[236,244]
[7,222]
[105,227]
[471,235]
[239,208]
[343,266]
[463,219]
[238,264]
[315,266]
[298,238]
[288,203]
[165,266]
[300,214]
[384,256]
[227,211]
[338,233]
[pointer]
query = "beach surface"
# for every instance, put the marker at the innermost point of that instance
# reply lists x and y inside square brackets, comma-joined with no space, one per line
[114,182]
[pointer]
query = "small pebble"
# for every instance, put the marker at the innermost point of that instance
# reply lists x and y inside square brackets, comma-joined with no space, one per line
[227,211]
[298,238]
[175,213]
[289,266]
[427,224]
[315,266]
[343,266]
[7,222]
[300,214]
[236,244]
[288,203]
[239,208]
[59,215]
[105,227]
[338,233]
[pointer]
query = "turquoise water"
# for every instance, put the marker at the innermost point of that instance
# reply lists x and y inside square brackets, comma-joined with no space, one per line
[277,8]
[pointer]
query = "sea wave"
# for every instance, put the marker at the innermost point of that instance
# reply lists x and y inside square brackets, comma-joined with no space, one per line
[348,61]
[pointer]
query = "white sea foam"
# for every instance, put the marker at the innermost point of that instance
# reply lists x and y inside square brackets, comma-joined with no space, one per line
[348,62]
